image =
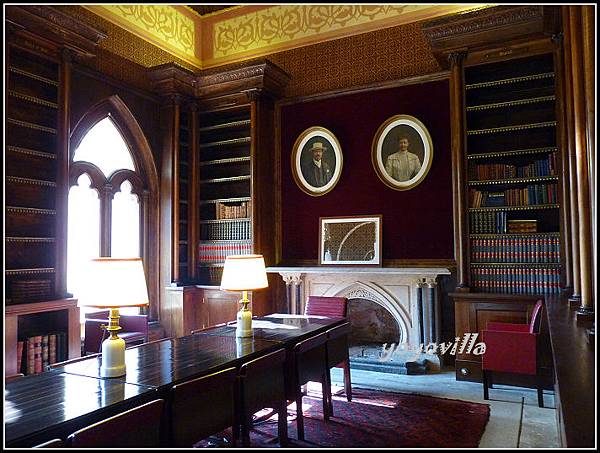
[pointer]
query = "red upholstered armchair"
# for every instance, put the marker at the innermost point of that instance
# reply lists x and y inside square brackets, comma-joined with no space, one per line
[512,348]
[134,330]
[337,342]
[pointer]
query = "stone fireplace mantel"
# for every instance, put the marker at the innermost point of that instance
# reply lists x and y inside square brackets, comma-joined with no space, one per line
[399,290]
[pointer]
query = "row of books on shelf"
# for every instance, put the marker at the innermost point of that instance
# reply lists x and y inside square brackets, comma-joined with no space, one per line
[488,222]
[516,280]
[533,194]
[215,253]
[239,210]
[210,275]
[532,249]
[36,352]
[496,222]
[542,167]
[226,230]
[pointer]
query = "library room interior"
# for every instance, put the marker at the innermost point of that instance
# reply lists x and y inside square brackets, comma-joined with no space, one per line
[300,226]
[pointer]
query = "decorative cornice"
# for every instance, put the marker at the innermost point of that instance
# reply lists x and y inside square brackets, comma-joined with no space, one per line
[489,27]
[483,19]
[60,29]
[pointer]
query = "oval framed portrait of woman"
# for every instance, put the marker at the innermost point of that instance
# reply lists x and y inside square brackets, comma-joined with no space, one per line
[317,161]
[402,152]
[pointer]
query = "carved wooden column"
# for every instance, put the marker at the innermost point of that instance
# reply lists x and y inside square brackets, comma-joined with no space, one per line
[62,172]
[589,56]
[569,165]
[461,244]
[562,137]
[176,108]
[193,208]
[582,163]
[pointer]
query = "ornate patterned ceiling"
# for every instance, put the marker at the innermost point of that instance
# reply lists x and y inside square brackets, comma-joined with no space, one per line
[206,36]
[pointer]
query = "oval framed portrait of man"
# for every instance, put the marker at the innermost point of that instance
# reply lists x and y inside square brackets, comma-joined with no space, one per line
[402,152]
[317,161]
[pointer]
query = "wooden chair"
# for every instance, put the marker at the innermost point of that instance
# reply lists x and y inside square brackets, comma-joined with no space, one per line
[137,427]
[13,377]
[309,363]
[74,360]
[54,443]
[334,307]
[134,330]
[201,407]
[262,384]
[147,343]
[338,356]
[208,328]
[512,348]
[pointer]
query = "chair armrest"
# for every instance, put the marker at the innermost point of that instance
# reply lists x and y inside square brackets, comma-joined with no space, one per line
[510,352]
[507,327]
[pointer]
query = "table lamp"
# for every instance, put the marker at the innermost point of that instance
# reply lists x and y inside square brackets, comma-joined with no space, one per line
[113,283]
[244,273]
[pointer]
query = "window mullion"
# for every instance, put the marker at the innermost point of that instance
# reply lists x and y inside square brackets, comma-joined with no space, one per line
[106,219]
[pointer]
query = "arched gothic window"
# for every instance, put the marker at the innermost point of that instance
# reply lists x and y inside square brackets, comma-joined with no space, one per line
[112,182]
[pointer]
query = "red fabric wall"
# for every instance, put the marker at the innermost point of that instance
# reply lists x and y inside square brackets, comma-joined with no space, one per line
[417,224]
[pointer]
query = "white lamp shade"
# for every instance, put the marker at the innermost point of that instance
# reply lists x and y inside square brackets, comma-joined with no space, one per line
[114,282]
[244,273]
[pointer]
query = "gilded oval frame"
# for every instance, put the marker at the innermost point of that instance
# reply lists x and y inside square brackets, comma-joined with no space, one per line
[415,129]
[300,157]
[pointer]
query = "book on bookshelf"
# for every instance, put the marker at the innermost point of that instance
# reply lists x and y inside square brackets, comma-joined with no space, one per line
[44,352]
[52,348]
[522,226]
[20,355]
[30,355]
[37,354]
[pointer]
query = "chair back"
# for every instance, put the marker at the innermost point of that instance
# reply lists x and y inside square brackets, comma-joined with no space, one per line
[326,306]
[201,407]
[134,330]
[536,317]
[337,344]
[137,427]
[54,443]
[13,377]
[262,382]
[310,359]
[74,360]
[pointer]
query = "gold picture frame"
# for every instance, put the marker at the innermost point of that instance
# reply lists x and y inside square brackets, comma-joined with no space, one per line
[350,240]
[402,167]
[317,143]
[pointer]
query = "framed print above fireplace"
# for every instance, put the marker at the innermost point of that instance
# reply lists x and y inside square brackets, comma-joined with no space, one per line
[350,240]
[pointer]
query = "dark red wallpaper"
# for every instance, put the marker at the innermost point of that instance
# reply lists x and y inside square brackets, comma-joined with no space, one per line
[417,224]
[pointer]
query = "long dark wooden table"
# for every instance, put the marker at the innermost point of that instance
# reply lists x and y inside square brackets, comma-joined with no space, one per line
[53,404]
[57,402]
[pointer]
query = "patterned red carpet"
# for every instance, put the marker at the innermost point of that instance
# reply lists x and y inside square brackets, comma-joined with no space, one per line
[381,419]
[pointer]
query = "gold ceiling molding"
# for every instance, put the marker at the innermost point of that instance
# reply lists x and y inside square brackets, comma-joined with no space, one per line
[251,31]
[260,30]
[172,28]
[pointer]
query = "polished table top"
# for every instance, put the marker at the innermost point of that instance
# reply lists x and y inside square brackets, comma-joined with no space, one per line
[33,404]
[176,360]
[75,393]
